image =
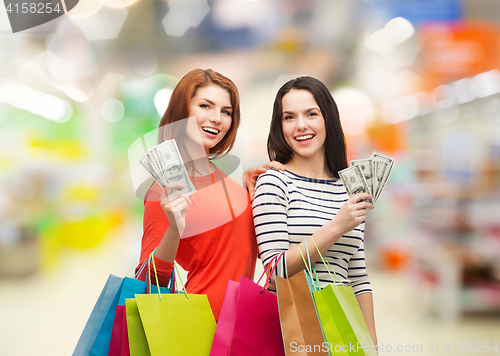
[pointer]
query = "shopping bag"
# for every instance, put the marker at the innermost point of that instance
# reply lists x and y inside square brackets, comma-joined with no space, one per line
[130,287]
[105,303]
[115,344]
[225,326]
[176,324]
[300,326]
[125,348]
[341,318]
[133,342]
[138,344]
[249,321]
[96,336]
[334,343]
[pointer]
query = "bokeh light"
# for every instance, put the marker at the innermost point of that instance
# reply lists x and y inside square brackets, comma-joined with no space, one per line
[112,110]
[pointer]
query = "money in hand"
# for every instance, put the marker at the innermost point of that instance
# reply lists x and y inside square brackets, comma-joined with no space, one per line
[376,171]
[385,164]
[366,167]
[164,163]
[354,181]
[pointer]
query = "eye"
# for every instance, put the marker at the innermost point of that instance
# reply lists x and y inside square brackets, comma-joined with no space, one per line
[288,117]
[313,114]
[204,106]
[226,112]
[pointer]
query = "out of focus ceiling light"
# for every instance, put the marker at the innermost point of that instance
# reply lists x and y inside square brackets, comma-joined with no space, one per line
[233,14]
[401,109]
[464,90]
[104,24]
[351,99]
[3,112]
[74,93]
[353,123]
[85,9]
[112,110]
[34,101]
[488,83]
[184,14]
[118,3]
[396,31]
[444,96]
[355,109]
[58,67]
[161,100]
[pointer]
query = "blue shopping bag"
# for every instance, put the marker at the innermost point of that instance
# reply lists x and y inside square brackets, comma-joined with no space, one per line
[96,335]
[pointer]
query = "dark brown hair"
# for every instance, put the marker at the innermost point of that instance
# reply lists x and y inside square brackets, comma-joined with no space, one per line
[178,107]
[335,146]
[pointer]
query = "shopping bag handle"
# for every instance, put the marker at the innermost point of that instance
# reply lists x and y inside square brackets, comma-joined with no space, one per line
[139,271]
[171,282]
[310,268]
[174,282]
[328,266]
[273,265]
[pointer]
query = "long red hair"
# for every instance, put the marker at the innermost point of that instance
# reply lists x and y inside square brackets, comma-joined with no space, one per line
[178,106]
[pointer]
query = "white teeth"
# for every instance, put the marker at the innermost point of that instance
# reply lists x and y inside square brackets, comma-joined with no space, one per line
[305,137]
[211,130]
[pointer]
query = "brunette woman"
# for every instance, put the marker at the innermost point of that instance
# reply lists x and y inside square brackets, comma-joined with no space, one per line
[308,201]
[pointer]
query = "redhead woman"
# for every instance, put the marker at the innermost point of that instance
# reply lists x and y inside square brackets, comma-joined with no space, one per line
[209,233]
[308,200]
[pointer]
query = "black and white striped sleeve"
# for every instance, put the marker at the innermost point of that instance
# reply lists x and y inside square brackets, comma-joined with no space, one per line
[270,211]
[357,273]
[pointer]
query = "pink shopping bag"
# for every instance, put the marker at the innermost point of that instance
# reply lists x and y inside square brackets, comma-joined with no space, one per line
[249,322]
[125,348]
[117,332]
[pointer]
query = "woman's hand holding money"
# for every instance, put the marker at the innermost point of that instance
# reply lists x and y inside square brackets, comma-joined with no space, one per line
[175,207]
[352,213]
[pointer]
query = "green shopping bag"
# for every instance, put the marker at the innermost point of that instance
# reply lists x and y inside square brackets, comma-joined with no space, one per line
[138,344]
[331,333]
[341,318]
[176,324]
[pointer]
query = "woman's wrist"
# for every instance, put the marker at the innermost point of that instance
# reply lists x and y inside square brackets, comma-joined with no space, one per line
[334,229]
[172,233]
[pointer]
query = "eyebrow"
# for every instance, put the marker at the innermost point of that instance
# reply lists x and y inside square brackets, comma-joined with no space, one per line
[212,103]
[307,110]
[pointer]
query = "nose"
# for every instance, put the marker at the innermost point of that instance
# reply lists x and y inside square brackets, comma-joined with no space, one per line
[301,123]
[215,117]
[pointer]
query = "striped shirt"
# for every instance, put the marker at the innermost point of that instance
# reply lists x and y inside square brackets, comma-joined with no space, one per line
[288,209]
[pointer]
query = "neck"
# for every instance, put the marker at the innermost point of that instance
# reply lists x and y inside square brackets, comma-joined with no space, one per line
[312,167]
[202,167]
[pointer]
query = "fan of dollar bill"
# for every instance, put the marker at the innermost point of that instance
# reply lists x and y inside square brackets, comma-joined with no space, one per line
[164,163]
[369,175]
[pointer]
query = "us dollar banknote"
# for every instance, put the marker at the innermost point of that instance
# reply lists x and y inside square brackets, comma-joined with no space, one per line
[164,163]
[354,181]
[385,165]
[376,171]
[366,167]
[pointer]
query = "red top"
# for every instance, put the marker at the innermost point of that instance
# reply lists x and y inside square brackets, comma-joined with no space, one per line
[218,243]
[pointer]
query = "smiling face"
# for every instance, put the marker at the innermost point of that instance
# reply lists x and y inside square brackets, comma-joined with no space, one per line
[211,106]
[303,123]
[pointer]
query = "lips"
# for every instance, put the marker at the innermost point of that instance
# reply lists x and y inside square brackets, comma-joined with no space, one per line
[210,131]
[304,139]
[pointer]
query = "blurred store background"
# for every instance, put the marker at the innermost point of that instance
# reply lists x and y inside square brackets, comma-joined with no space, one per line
[418,80]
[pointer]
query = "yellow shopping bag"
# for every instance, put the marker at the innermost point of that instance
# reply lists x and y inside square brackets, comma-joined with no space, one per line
[177,324]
